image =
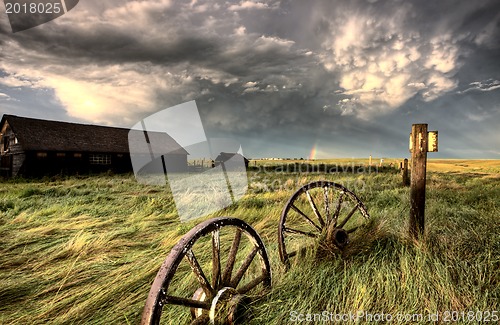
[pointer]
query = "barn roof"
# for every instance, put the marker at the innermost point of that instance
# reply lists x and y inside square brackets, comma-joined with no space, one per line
[225,156]
[44,135]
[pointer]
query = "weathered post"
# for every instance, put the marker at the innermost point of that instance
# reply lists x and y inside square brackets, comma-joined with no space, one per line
[421,142]
[370,161]
[418,140]
[404,172]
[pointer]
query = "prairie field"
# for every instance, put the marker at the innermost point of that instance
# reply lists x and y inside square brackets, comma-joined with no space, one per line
[85,250]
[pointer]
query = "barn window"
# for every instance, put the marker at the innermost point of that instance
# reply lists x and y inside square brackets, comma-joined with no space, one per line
[41,155]
[61,155]
[77,155]
[100,159]
[16,141]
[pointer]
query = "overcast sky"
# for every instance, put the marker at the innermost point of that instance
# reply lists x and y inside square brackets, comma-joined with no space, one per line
[346,77]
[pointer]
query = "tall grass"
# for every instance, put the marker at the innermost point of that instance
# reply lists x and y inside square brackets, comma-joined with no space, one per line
[85,250]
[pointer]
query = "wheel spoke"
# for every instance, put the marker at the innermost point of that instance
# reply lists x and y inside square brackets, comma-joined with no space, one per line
[352,230]
[339,206]
[215,259]
[252,284]
[306,217]
[198,272]
[300,232]
[203,319]
[315,209]
[342,224]
[327,203]
[228,270]
[244,267]
[172,300]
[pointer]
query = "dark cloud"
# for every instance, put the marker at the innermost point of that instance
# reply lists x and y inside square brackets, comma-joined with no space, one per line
[348,76]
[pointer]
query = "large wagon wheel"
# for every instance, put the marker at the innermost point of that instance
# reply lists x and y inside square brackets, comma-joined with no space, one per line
[320,211]
[215,285]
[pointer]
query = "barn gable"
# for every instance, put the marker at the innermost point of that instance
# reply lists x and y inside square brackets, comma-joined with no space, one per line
[225,156]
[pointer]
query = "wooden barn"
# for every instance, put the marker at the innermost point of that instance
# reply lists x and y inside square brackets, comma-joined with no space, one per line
[34,147]
[225,156]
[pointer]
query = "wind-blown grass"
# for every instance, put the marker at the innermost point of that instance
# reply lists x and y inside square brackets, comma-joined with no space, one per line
[85,250]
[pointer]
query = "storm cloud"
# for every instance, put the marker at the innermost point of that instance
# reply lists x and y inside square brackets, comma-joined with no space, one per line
[281,76]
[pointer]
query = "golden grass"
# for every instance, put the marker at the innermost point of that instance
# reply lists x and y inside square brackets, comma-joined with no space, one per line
[85,250]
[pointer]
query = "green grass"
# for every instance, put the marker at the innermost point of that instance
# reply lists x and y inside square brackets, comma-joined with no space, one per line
[85,250]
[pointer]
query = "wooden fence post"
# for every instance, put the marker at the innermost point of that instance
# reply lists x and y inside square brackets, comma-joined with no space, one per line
[418,174]
[404,172]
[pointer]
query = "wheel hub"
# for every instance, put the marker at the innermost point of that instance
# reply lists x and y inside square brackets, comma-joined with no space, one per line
[228,307]
[339,237]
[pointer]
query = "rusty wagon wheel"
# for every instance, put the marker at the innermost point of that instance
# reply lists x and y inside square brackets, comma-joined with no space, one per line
[319,211]
[217,284]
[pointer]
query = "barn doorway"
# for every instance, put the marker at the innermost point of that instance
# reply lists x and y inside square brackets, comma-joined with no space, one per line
[6,166]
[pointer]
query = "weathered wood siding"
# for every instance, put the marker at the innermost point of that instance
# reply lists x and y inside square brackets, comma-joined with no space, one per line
[18,161]
[70,163]
[11,151]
